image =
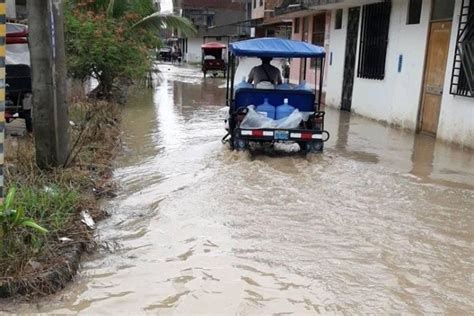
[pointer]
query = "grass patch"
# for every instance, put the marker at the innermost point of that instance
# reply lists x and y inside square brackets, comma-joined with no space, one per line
[25,251]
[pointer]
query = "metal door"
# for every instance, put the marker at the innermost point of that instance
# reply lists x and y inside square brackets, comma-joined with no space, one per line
[437,57]
[350,59]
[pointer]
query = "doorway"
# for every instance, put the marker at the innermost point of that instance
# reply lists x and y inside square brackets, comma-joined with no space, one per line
[435,68]
[305,38]
[350,58]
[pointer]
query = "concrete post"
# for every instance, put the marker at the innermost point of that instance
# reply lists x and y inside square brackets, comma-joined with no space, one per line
[3,30]
[48,69]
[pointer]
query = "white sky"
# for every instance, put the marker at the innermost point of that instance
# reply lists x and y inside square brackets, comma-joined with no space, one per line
[166,6]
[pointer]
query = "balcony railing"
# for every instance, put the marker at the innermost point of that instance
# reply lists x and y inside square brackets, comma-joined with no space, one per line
[289,6]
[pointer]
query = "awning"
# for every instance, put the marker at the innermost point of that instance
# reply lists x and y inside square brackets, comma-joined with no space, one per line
[213,45]
[275,47]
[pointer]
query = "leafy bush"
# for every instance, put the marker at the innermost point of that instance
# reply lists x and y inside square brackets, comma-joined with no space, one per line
[101,48]
[111,39]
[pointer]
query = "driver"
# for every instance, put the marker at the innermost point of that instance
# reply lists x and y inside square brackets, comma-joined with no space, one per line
[265,72]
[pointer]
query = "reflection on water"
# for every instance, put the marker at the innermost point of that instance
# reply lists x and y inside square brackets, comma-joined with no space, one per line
[381,222]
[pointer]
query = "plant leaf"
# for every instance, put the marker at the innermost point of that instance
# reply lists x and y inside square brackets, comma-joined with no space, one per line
[9,200]
[19,214]
[160,21]
[30,223]
[110,9]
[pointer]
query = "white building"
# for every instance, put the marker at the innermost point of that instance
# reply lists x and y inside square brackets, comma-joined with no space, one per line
[215,21]
[404,62]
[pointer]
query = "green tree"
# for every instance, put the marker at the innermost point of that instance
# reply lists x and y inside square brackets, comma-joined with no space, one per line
[111,39]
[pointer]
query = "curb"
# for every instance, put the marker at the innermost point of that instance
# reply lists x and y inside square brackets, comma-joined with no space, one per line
[47,282]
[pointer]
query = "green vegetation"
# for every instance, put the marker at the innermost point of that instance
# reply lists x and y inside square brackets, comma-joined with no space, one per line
[13,219]
[111,39]
[41,218]
[32,218]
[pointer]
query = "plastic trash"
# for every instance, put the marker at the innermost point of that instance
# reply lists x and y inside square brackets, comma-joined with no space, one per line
[306,115]
[266,108]
[304,86]
[86,218]
[253,119]
[284,86]
[243,84]
[291,121]
[267,85]
[284,110]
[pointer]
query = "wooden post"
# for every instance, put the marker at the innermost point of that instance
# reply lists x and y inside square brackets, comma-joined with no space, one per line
[3,31]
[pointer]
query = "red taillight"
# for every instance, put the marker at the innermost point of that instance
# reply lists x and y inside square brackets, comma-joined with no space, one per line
[257,133]
[306,135]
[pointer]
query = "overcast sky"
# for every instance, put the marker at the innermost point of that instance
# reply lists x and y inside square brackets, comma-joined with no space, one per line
[166,6]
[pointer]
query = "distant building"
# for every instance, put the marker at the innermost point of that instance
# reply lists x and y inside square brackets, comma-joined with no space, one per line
[264,21]
[215,20]
[405,62]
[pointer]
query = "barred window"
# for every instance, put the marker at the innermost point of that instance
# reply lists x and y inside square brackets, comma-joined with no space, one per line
[374,40]
[462,80]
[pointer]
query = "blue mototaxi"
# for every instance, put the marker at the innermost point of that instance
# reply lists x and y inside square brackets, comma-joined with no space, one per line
[310,134]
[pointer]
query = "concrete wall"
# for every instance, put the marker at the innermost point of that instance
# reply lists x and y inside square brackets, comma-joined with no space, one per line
[259,11]
[194,50]
[336,51]
[456,122]
[396,99]
[11,10]
[194,54]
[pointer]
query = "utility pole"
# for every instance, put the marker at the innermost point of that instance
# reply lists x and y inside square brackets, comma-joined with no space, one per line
[3,35]
[48,73]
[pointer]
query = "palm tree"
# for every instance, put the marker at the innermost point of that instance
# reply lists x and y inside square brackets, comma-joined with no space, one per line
[148,12]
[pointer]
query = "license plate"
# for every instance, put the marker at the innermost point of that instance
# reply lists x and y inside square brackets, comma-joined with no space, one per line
[282,135]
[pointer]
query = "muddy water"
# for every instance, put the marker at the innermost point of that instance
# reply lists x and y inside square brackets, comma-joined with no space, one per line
[381,222]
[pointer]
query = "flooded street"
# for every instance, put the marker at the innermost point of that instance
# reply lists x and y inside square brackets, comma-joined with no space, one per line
[382,222]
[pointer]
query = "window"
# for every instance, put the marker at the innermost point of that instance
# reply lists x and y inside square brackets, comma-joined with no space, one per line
[414,11]
[317,38]
[319,25]
[270,33]
[462,80]
[261,2]
[210,20]
[338,24]
[442,10]
[305,29]
[254,4]
[374,40]
[297,25]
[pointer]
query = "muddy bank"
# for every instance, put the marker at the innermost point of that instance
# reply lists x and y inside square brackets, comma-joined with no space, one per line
[58,199]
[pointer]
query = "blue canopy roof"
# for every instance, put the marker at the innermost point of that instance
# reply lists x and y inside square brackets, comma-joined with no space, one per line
[275,47]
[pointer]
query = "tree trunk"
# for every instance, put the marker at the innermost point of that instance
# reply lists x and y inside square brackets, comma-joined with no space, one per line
[46,42]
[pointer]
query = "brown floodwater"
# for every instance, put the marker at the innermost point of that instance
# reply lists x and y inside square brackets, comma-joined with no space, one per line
[382,222]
